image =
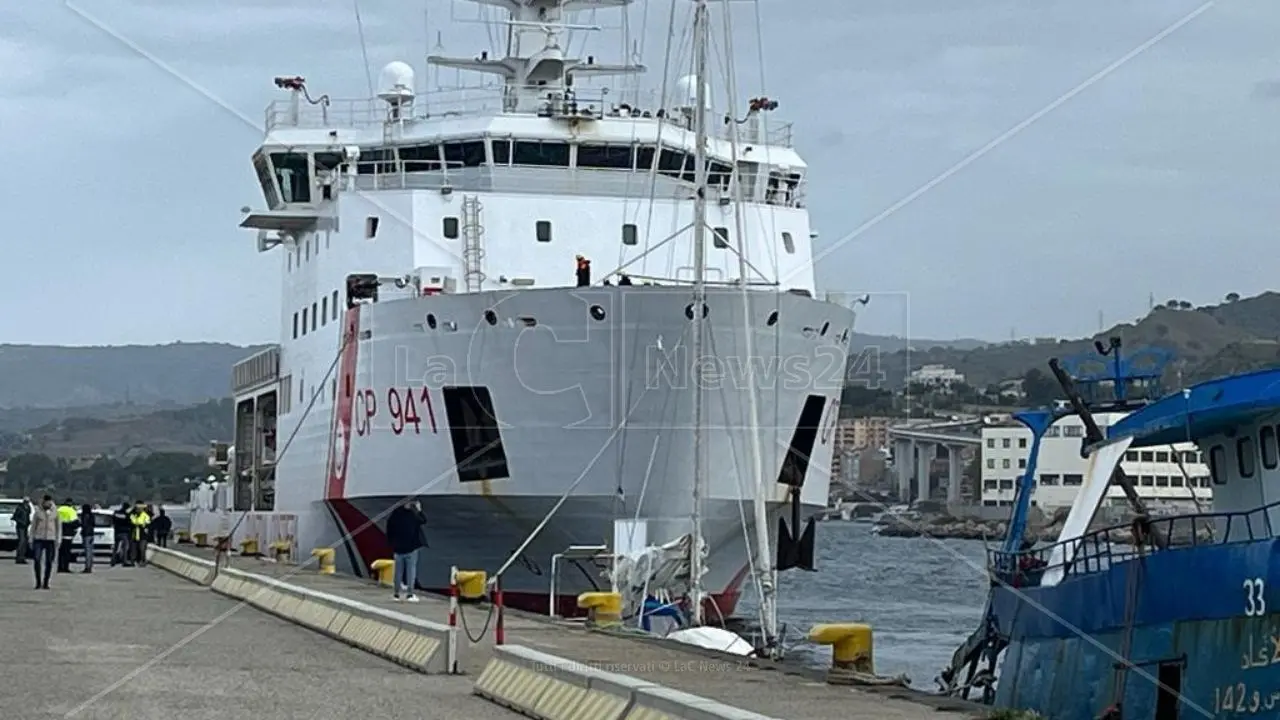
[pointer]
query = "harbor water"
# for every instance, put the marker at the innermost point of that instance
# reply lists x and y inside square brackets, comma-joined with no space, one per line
[922,597]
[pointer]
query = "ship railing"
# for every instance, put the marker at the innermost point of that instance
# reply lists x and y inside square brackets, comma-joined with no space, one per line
[1099,550]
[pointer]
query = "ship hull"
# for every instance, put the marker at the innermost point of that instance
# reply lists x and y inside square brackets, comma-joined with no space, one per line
[577,406]
[1202,635]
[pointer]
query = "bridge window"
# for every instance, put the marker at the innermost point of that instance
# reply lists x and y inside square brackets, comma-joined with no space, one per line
[674,163]
[543,230]
[540,154]
[328,161]
[266,179]
[644,157]
[1218,464]
[293,174]
[376,161]
[1267,443]
[721,237]
[788,243]
[501,152]
[420,158]
[464,154]
[450,228]
[630,236]
[614,157]
[719,174]
[1245,460]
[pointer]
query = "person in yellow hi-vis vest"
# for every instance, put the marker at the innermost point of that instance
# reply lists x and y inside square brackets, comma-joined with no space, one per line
[69,519]
[138,522]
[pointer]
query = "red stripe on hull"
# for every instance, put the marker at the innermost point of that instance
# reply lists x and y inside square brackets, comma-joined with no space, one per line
[340,435]
[370,542]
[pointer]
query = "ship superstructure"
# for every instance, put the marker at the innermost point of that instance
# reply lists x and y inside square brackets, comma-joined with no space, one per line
[435,342]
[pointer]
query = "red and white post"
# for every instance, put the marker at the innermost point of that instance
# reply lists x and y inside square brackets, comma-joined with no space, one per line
[500,629]
[453,620]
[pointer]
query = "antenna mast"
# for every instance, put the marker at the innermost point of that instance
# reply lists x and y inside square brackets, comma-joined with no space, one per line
[699,295]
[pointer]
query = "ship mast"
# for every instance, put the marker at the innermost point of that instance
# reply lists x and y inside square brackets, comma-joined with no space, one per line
[700,32]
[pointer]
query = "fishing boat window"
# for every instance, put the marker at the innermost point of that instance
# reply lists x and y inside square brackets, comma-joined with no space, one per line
[376,161]
[1246,462]
[721,238]
[450,228]
[1217,464]
[630,236]
[543,230]
[464,154]
[501,152]
[294,176]
[268,182]
[420,158]
[789,245]
[1072,479]
[1267,443]
[612,157]
[719,174]
[540,154]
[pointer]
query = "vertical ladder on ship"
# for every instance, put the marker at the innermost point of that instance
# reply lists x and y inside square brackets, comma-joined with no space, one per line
[473,246]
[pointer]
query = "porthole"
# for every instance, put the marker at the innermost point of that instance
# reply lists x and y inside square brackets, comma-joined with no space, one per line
[597,312]
[491,317]
[773,319]
[431,320]
[688,310]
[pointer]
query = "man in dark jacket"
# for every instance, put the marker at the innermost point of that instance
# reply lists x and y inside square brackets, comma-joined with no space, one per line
[122,553]
[406,533]
[22,524]
[161,526]
[87,525]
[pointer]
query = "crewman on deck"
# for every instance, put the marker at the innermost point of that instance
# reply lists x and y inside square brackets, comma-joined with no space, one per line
[69,519]
[584,272]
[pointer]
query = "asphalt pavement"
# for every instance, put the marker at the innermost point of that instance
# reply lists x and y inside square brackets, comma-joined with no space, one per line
[138,643]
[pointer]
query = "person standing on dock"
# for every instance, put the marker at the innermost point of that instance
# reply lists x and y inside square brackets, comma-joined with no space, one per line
[122,553]
[70,523]
[139,522]
[162,525]
[88,523]
[46,529]
[406,532]
[21,524]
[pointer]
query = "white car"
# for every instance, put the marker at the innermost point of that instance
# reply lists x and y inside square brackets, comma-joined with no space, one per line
[8,532]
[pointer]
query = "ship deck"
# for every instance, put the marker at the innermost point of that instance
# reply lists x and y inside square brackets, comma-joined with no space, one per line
[140,643]
[771,690]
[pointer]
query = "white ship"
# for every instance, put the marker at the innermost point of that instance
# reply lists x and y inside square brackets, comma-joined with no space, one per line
[434,341]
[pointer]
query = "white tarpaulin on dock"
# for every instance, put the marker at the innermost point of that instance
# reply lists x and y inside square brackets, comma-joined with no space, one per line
[1102,463]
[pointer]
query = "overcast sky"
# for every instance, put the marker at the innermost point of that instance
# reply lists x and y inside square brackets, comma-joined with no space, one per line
[120,199]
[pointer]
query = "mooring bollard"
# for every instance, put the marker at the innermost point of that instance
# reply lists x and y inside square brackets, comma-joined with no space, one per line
[281,549]
[325,556]
[249,547]
[202,539]
[851,649]
[384,572]
[603,608]
[470,584]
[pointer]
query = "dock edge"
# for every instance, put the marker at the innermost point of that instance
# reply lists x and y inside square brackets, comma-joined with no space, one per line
[417,644]
[545,686]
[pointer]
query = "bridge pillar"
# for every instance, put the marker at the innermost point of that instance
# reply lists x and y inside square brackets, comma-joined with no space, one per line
[955,470]
[926,451]
[904,457]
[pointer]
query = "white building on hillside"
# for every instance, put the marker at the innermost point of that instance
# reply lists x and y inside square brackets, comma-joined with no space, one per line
[1160,480]
[936,375]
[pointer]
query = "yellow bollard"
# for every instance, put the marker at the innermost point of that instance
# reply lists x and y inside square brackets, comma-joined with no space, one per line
[471,584]
[603,608]
[183,537]
[280,550]
[851,647]
[384,571]
[249,547]
[202,539]
[325,557]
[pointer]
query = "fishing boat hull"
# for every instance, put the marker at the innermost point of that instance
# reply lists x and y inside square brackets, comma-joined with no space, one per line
[1198,629]
[549,415]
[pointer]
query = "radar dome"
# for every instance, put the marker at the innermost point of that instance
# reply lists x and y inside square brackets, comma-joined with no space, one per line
[396,81]
[687,92]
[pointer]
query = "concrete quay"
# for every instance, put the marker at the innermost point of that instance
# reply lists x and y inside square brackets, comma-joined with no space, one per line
[763,690]
[139,643]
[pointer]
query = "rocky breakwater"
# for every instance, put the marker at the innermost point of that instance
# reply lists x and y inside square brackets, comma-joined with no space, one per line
[941,525]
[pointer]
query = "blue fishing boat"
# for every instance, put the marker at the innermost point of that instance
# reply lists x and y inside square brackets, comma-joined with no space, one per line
[1161,618]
